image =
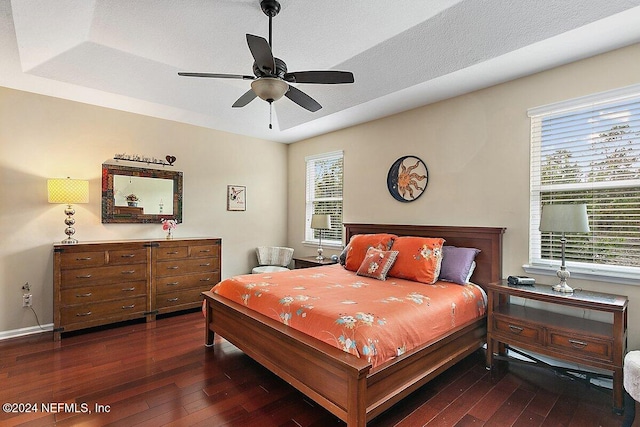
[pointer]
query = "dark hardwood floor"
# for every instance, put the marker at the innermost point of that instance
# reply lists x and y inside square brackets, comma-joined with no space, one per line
[161,374]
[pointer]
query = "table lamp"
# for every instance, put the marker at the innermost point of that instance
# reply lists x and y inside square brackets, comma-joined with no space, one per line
[320,222]
[68,191]
[564,219]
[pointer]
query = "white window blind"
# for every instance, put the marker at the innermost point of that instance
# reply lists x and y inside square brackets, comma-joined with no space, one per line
[324,195]
[588,151]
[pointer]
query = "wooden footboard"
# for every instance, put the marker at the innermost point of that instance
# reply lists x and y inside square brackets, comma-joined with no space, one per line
[334,379]
[342,383]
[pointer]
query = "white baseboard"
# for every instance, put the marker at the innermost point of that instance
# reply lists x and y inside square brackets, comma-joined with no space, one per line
[4,335]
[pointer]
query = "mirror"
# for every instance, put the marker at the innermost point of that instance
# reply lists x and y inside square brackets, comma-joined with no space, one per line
[140,195]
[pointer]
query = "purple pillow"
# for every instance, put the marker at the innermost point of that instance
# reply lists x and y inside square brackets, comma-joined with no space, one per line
[457,264]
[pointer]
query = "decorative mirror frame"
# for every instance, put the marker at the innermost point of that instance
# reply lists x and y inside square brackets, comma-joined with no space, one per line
[108,201]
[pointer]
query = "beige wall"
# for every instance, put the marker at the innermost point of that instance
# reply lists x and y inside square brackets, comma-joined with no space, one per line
[43,137]
[476,148]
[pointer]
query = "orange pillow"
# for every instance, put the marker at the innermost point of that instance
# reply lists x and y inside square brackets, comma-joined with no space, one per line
[377,263]
[360,243]
[419,259]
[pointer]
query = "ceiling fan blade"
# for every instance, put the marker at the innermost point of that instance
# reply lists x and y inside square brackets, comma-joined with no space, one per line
[322,77]
[217,76]
[244,99]
[261,52]
[302,99]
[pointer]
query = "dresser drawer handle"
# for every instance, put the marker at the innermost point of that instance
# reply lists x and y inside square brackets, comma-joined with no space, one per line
[578,344]
[128,289]
[127,255]
[172,299]
[128,307]
[88,313]
[173,284]
[84,259]
[205,265]
[84,276]
[128,272]
[205,250]
[516,329]
[173,267]
[172,253]
[88,294]
[206,280]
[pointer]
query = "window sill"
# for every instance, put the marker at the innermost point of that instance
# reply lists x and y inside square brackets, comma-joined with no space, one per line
[325,245]
[602,275]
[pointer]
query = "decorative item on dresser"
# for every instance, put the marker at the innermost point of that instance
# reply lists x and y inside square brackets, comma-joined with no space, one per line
[582,341]
[68,191]
[99,283]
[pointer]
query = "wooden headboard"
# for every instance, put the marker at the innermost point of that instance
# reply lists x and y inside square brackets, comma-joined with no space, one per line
[487,239]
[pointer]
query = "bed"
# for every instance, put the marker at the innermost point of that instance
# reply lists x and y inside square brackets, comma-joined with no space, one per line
[348,386]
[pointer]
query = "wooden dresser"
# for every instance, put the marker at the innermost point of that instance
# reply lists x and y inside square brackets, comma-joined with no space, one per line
[181,271]
[99,283]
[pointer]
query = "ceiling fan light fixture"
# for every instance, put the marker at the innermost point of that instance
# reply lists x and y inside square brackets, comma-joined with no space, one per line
[269,88]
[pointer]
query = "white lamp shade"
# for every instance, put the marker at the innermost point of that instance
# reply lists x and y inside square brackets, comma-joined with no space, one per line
[320,221]
[565,218]
[68,191]
[269,88]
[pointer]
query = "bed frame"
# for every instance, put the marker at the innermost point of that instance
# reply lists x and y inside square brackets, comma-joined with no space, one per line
[344,384]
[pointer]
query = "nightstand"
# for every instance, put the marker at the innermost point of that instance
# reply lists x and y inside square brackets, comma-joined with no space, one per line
[311,261]
[573,339]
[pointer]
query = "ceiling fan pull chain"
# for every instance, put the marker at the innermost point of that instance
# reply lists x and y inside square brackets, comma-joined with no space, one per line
[270,110]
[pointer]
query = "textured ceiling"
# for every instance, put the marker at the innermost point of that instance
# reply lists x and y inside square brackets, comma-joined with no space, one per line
[125,54]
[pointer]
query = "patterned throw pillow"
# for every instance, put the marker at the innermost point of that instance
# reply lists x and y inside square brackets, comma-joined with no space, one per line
[360,243]
[377,263]
[419,259]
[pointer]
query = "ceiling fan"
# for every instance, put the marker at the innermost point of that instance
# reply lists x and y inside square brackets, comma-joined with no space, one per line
[271,80]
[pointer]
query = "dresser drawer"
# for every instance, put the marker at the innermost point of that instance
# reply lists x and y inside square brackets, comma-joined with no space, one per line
[101,275]
[581,346]
[199,251]
[102,310]
[189,296]
[200,281]
[91,294]
[177,268]
[172,252]
[83,259]
[516,329]
[132,256]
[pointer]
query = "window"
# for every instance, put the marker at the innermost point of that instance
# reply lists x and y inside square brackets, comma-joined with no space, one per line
[324,196]
[588,151]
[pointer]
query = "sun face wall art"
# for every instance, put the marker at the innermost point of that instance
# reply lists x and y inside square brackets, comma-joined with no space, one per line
[407,178]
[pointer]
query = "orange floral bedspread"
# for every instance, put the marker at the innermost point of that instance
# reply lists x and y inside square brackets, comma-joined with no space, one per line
[372,319]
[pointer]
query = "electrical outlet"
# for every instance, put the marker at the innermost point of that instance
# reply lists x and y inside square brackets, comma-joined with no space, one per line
[27,300]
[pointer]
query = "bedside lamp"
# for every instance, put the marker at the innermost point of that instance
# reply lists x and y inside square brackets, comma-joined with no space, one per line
[320,222]
[68,191]
[564,219]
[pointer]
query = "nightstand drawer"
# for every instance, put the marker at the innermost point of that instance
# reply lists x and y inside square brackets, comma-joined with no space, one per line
[516,329]
[577,345]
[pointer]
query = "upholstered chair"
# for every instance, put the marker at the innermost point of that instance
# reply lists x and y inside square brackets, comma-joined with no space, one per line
[631,386]
[272,259]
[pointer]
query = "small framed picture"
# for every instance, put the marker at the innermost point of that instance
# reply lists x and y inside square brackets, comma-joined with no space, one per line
[236,198]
